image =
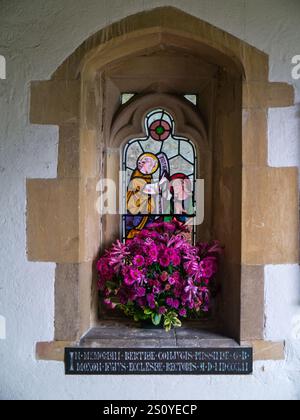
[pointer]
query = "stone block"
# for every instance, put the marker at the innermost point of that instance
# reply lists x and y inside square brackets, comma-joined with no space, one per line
[267,95]
[52,220]
[266,350]
[52,351]
[68,151]
[54,102]
[66,302]
[252,303]
[270,216]
[255,132]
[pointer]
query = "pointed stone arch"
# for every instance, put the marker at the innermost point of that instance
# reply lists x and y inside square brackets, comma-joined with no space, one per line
[67,231]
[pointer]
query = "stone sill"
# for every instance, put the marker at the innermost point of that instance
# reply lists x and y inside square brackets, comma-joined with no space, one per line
[113,334]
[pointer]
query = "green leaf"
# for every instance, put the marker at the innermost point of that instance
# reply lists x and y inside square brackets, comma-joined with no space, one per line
[156,319]
[168,327]
[177,323]
[148,312]
[110,285]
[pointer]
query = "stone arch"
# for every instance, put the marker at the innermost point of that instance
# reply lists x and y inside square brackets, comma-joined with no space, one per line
[68,232]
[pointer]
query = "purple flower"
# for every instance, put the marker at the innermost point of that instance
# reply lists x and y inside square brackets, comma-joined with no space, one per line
[109,304]
[192,267]
[156,289]
[172,281]
[176,304]
[139,261]
[151,301]
[173,303]
[164,277]
[117,255]
[183,312]
[141,292]
[152,253]
[158,262]
[175,279]
[104,269]
[164,260]
[169,302]
[208,267]
[173,256]
[191,290]
[132,276]
[176,260]
[162,310]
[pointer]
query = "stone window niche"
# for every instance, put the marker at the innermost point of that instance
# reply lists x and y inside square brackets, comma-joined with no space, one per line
[217,89]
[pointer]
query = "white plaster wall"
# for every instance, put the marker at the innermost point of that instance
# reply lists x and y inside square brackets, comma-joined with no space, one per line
[35,37]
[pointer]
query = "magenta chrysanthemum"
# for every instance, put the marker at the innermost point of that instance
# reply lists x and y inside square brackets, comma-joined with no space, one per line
[159,275]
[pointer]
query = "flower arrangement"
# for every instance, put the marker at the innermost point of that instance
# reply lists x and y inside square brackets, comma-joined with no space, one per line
[159,276]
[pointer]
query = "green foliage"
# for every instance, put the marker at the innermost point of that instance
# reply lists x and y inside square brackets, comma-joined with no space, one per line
[156,319]
[171,321]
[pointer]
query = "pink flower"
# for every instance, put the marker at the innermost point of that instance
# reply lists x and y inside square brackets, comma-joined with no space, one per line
[156,290]
[164,261]
[132,276]
[173,256]
[208,267]
[176,276]
[117,255]
[162,310]
[153,253]
[105,270]
[175,279]
[182,312]
[169,302]
[173,303]
[139,261]
[151,301]
[176,260]
[172,281]
[141,292]
[164,276]
[192,267]
[191,290]
[109,304]
[159,265]
[164,258]
[176,303]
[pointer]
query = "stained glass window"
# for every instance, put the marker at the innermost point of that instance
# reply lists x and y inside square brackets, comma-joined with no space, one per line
[126,97]
[192,98]
[159,177]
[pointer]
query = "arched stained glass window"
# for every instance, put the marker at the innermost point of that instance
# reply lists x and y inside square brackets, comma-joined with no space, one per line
[159,173]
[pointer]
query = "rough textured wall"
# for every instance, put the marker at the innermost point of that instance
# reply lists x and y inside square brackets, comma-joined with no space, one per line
[35,37]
